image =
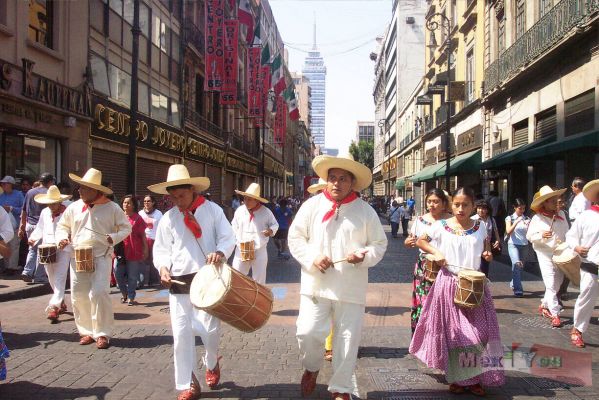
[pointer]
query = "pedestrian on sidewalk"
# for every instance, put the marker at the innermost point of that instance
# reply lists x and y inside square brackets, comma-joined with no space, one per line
[6,235]
[12,201]
[483,212]
[406,217]
[579,202]
[583,237]
[253,224]
[284,215]
[336,237]
[45,230]
[394,218]
[516,226]
[151,216]
[193,233]
[546,230]
[445,331]
[94,221]
[436,202]
[127,269]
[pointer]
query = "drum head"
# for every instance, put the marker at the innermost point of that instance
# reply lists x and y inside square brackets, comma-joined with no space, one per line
[470,273]
[209,285]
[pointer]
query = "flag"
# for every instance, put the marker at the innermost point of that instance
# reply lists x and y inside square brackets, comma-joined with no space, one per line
[278,76]
[292,104]
[246,18]
[265,57]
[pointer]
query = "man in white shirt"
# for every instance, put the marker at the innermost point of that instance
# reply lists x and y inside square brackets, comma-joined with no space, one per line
[583,237]
[336,237]
[93,221]
[579,203]
[6,234]
[253,224]
[191,235]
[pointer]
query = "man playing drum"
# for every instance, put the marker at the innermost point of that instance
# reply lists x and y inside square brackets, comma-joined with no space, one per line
[97,223]
[336,237]
[583,237]
[190,235]
[253,224]
[55,262]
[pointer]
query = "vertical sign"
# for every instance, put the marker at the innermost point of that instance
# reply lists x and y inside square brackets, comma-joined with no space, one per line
[228,94]
[279,117]
[214,41]
[255,91]
[265,78]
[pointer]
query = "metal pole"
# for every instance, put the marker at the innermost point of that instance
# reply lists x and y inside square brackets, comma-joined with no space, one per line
[132,160]
[448,103]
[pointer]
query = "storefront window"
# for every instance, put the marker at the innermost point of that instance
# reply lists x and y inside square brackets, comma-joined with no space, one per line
[29,156]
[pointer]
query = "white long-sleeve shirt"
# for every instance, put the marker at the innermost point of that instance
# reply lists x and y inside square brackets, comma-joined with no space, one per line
[357,228]
[246,231]
[6,230]
[579,204]
[584,232]
[46,229]
[177,249]
[539,224]
[104,219]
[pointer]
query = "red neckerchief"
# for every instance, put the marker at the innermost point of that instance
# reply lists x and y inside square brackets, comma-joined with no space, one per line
[100,200]
[254,210]
[57,213]
[556,215]
[336,204]
[190,220]
[595,207]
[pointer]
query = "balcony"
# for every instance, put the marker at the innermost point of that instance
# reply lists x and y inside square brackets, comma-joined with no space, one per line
[407,140]
[203,124]
[544,34]
[194,36]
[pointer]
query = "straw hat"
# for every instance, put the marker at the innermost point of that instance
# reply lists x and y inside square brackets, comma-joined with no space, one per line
[179,175]
[91,179]
[317,186]
[253,191]
[51,196]
[590,190]
[363,175]
[545,193]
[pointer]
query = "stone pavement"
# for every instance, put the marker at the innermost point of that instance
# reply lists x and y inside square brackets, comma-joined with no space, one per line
[47,363]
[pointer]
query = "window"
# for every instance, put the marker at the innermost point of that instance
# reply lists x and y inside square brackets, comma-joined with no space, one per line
[199,94]
[175,117]
[500,34]
[99,74]
[544,7]
[520,133]
[470,81]
[520,18]
[117,7]
[3,11]
[143,98]
[580,113]
[120,84]
[41,22]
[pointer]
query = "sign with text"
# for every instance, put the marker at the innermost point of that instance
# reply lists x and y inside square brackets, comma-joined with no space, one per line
[279,123]
[214,45]
[228,94]
[255,89]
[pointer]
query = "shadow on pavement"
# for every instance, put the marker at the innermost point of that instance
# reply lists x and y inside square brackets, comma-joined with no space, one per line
[270,391]
[130,316]
[287,313]
[506,311]
[144,342]
[31,391]
[17,341]
[387,311]
[382,352]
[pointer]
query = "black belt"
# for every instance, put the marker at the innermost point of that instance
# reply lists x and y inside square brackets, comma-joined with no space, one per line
[589,267]
[181,289]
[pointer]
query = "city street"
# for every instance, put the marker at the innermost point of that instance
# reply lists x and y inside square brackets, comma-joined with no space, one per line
[47,362]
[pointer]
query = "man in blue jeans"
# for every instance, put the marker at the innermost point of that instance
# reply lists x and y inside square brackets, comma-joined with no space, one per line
[33,271]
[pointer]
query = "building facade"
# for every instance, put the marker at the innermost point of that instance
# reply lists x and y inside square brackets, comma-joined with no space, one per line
[364,131]
[316,72]
[378,94]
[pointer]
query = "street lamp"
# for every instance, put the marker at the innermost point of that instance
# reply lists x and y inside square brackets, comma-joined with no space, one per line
[433,24]
[382,124]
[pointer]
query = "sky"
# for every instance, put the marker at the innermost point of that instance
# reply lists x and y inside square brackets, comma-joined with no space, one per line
[345,33]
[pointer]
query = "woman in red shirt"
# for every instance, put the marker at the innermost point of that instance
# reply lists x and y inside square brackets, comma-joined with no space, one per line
[136,251]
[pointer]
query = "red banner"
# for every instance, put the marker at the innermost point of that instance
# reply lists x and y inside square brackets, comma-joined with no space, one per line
[214,41]
[228,94]
[265,75]
[255,91]
[279,121]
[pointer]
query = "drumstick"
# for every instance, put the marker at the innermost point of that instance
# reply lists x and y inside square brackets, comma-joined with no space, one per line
[178,282]
[338,261]
[552,221]
[85,227]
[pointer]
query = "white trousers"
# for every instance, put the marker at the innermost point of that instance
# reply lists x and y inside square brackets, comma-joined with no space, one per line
[552,278]
[258,265]
[589,291]
[90,294]
[13,261]
[187,321]
[57,277]
[314,325]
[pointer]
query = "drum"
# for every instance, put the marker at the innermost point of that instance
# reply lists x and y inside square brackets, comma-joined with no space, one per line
[471,288]
[84,259]
[568,261]
[247,251]
[431,268]
[46,253]
[232,297]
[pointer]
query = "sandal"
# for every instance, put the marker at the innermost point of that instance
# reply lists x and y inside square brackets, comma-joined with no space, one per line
[576,338]
[456,389]
[124,299]
[477,390]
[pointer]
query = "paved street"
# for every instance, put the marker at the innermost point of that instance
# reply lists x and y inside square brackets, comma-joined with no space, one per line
[47,362]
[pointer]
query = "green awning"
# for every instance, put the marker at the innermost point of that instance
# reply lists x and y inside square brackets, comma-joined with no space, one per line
[464,163]
[427,173]
[515,155]
[585,140]
[400,184]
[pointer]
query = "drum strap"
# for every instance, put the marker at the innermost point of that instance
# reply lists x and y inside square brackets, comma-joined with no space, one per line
[589,267]
[182,289]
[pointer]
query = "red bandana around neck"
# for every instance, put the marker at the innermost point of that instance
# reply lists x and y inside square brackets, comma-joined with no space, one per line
[189,219]
[58,212]
[556,215]
[253,210]
[336,204]
[595,207]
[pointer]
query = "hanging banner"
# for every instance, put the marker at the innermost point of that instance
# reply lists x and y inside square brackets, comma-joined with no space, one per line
[265,76]
[214,44]
[255,90]
[279,124]
[228,94]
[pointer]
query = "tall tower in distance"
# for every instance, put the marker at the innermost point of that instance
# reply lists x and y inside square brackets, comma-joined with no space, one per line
[315,70]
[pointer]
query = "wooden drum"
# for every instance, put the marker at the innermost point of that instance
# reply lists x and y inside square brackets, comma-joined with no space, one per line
[84,259]
[232,297]
[46,253]
[568,261]
[471,288]
[247,250]
[431,268]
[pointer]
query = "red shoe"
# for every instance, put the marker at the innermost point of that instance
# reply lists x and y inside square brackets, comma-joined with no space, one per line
[308,382]
[213,375]
[53,314]
[63,308]
[556,322]
[545,312]
[102,342]
[86,340]
[576,338]
[193,393]
[477,390]
[341,396]
[456,389]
